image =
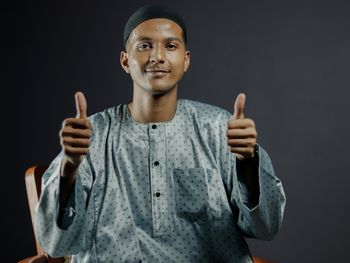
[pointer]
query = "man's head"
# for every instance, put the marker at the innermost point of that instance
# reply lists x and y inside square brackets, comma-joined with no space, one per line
[148,12]
[156,56]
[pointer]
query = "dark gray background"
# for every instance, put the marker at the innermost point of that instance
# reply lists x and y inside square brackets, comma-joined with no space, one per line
[291,58]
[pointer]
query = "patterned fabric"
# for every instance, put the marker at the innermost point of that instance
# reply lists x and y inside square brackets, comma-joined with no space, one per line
[159,192]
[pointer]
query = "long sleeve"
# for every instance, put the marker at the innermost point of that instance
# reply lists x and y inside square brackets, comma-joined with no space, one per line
[262,220]
[69,236]
[71,231]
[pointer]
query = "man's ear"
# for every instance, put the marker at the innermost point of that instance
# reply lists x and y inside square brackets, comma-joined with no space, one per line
[124,61]
[187,60]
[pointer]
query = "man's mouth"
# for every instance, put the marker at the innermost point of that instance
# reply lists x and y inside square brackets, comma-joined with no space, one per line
[157,71]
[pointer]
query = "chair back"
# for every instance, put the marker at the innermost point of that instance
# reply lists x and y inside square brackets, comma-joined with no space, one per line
[33,187]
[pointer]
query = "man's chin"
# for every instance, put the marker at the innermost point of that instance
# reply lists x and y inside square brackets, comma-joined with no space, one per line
[159,91]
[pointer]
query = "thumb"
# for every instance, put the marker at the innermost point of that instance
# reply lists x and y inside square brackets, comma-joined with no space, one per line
[81,105]
[239,107]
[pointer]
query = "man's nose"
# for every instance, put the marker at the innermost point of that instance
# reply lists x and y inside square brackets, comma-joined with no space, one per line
[157,54]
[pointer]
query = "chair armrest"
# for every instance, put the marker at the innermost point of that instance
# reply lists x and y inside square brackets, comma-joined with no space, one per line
[260,260]
[44,258]
[35,259]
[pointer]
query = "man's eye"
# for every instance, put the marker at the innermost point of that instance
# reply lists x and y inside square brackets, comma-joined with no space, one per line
[171,46]
[145,46]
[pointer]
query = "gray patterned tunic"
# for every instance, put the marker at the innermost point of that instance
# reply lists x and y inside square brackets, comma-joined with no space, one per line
[159,192]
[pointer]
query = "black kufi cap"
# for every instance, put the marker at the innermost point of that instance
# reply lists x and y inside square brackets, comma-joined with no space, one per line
[150,12]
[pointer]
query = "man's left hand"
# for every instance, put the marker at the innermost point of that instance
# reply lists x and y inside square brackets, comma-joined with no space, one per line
[241,132]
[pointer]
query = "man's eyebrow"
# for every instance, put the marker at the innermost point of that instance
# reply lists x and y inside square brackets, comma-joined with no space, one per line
[174,39]
[141,39]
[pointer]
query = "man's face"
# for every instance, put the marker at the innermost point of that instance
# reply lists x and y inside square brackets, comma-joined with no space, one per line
[156,56]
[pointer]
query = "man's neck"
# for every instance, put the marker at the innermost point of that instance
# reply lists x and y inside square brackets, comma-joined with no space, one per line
[147,108]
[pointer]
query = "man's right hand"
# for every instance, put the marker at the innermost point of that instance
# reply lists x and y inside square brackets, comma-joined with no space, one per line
[75,138]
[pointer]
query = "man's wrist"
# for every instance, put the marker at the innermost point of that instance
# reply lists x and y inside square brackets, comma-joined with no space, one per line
[250,161]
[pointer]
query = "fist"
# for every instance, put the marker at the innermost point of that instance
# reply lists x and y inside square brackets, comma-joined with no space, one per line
[241,131]
[75,135]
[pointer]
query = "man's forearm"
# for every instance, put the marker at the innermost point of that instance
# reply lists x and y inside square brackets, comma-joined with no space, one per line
[67,179]
[248,173]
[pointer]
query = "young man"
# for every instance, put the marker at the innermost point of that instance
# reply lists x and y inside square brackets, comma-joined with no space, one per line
[158,179]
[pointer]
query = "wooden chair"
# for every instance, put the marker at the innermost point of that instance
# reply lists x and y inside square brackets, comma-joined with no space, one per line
[33,187]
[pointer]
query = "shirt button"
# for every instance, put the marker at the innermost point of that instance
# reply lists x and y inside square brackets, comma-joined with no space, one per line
[157,194]
[154,126]
[156,163]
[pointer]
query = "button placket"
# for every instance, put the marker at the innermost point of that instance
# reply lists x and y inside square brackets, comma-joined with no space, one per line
[158,179]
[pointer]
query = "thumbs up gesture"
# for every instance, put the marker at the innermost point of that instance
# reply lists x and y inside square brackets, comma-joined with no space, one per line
[75,135]
[241,131]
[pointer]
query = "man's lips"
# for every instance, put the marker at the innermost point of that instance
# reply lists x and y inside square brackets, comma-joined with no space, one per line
[157,71]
